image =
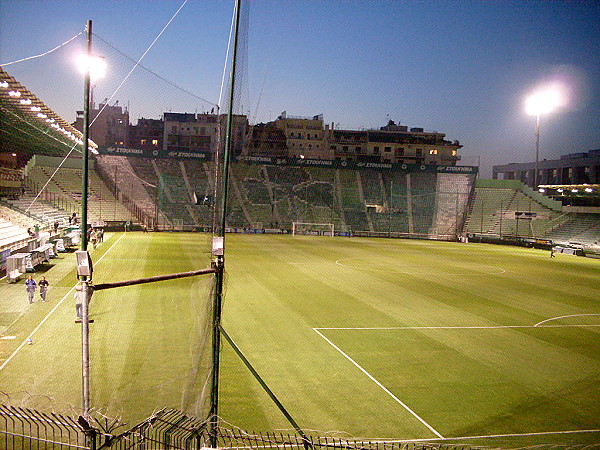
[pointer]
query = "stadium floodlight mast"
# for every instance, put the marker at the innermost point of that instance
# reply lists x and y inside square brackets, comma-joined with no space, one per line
[92,67]
[543,101]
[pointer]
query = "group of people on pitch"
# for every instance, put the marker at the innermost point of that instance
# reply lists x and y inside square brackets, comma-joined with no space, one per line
[31,286]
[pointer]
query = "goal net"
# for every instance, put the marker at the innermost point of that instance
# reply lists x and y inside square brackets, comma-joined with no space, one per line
[313,229]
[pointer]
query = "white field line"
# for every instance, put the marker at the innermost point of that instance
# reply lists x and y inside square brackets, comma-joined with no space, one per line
[52,311]
[491,327]
[483,436]
[380,385]
[562,317]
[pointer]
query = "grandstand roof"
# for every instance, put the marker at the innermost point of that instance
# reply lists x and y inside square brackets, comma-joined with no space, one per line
[28,126]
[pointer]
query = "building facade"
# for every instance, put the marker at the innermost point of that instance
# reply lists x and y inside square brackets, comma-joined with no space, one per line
[573,168]
[109,124]
[310,137]
[188,132]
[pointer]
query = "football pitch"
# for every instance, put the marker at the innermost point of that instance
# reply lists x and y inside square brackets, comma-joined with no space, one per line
[364,338]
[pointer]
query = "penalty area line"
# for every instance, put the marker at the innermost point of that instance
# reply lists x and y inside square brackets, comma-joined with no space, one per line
[51,312]
[386,390]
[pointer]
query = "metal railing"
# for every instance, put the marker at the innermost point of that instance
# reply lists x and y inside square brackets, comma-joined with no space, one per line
[22,428]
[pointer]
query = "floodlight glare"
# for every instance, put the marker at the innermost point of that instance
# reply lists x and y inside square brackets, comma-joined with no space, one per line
[589,190]
[95,65]
[545,100]
[542,190]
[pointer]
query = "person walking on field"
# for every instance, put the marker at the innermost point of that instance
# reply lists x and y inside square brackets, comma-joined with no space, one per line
[43,288]
[79,301]
[30,286]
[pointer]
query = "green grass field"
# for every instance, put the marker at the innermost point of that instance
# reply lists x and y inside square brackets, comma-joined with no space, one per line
[366,338]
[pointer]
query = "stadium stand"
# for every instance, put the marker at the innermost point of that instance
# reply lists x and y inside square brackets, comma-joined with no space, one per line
[423,204]
[583,229]
[496,205]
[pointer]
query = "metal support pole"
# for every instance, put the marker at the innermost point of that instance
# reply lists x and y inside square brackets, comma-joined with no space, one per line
[85,330]
[219,263]
[537,151]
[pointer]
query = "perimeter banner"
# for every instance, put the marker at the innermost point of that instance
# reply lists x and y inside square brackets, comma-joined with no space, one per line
[298,162]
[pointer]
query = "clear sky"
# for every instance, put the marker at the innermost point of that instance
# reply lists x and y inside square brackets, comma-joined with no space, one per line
[459,67]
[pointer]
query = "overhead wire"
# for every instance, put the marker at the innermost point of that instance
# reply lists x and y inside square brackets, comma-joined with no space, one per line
[115,91]
[43,54]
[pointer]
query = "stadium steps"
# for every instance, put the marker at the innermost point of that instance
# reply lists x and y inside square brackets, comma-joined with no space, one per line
[580,228]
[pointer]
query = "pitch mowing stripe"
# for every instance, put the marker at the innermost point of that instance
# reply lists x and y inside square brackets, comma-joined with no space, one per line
[386,390]
[52,311]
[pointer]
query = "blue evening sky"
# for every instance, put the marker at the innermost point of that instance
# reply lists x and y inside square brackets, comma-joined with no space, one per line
[459,67]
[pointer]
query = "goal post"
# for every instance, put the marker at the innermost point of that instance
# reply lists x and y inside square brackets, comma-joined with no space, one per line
[312,229]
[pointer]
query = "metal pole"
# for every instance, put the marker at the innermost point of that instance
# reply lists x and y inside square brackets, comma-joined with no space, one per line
[85,330]
[537,151]
[220,260]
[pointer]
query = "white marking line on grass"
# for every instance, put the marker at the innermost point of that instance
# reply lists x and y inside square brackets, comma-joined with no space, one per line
[51,311]
[562,317]
[380,385]
[491,327]
[486,436]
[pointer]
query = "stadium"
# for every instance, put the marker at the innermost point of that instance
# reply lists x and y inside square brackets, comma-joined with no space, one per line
[367,301]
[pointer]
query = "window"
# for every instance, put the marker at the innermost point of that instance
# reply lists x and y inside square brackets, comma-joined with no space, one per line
[388,149]
[154,141]
[143,142]
[376,150]
[400,151]
[419,152]
[453,152]
[433,151]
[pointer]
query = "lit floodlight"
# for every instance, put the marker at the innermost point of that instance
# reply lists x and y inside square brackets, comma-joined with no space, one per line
[589,190]
[575,190]
[36,108]
[96,65]
[14,93]
[26,101]
[546,100]
[542,190]
[4,84]
[560,190]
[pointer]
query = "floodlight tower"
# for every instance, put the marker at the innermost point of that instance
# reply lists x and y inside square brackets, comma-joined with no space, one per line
[541,102]
[92,68]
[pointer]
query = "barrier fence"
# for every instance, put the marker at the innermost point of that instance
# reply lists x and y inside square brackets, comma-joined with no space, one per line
[22,428]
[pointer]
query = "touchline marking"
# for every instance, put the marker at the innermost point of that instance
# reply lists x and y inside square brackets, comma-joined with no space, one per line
[380,385]
[491,327]
[51,311]
[487,436]
[562,317]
